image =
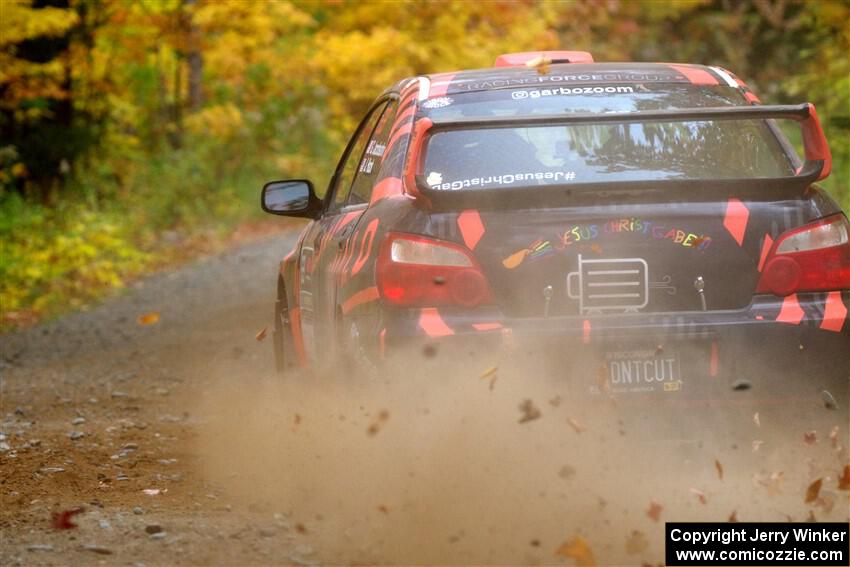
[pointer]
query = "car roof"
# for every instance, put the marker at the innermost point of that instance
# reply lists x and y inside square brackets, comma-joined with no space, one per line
[567,74]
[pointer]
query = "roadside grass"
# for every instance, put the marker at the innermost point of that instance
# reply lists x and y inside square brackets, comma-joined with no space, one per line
[129,215]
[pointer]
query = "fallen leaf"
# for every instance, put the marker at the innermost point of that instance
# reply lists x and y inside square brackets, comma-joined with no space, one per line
[813,491]
[62,520]
[261,335]
[719,468]
[529,411]
[654,512]
[541,63]
[636,543]
[772,483]
[833,436]
[733,517]
[577,427]
[810,437]
[151,318]
[578,549]
[382,418]
[757,443]
[756,419]
[383,509]
[844,481]
[700,495]
[490,372]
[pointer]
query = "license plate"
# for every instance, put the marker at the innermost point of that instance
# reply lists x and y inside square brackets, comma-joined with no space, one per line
[642,371]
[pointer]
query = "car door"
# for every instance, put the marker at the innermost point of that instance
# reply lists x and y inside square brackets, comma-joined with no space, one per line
[324,248]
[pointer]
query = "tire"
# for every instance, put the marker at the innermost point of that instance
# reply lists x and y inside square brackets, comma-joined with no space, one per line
[353,350]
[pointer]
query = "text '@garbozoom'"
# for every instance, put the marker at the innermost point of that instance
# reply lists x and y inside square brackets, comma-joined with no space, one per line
[822,544]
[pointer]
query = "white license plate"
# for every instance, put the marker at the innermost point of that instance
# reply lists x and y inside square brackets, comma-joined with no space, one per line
[642,371]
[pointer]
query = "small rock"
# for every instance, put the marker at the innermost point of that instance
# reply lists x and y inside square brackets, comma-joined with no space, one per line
[51,470]
[138,510]
[122,476]
[78,421]
[153,528]
[104,525]
[267,532]
[130,447]
[741,385]
[98,549]
[19,411]
[159,535]
[40,547]
[74,435]
[116,395]
[4,447]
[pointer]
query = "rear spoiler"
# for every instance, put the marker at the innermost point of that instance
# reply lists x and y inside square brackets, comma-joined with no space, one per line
[817,166]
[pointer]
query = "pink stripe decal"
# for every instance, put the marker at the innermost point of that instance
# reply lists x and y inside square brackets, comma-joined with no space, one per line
[471,227]
[735,221]
[585,332]
[765,249]
[696,76]
[834,314]
[486,326]
[433,324]
[791,311]
[440,89]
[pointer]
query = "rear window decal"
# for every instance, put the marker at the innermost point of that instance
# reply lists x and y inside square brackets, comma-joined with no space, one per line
[434,178]
[438,102]
[533,94]
[582,233]
[505,179]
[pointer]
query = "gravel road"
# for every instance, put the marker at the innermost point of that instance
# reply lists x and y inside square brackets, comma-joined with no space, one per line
[176,443]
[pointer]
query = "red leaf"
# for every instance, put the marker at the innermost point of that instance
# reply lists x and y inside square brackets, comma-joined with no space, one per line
[844,481]
[62,520]
[813,491]
[654,512]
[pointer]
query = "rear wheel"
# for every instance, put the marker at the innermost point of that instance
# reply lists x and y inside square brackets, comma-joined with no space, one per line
[354,353]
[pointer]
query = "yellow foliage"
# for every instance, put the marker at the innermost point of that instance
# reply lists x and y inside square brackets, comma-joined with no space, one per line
[222,121]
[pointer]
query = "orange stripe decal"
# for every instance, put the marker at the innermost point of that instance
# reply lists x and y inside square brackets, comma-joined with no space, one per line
[714,361]
[471,227]
[765,248]
[696,76]
[735,220]
[365,249]
[486,326]
[382,343]
[791,311]
[834,314]
[433,324]
[359,298]
[585,332]
[386,188]
[298,336]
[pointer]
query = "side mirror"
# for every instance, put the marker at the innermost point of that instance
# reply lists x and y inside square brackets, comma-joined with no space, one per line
[294,198]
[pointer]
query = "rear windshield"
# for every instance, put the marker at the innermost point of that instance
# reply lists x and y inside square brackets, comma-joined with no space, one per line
[592,153]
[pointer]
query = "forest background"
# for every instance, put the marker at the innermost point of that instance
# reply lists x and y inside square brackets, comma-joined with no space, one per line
[135,133]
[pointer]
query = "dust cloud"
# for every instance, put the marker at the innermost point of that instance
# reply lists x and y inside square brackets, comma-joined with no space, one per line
[500,461]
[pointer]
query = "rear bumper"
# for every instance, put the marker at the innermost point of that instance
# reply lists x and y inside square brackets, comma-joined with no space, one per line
[778,348]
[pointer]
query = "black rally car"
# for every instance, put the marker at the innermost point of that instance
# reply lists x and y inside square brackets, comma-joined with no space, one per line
[650,218]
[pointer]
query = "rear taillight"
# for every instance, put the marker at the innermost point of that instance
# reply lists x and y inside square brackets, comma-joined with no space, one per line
[814,257]
[418,271]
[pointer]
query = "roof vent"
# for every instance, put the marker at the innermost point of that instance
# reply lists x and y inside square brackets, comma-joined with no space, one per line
[519,59]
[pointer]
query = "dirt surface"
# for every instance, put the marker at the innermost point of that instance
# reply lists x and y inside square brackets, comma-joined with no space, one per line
[488,462]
